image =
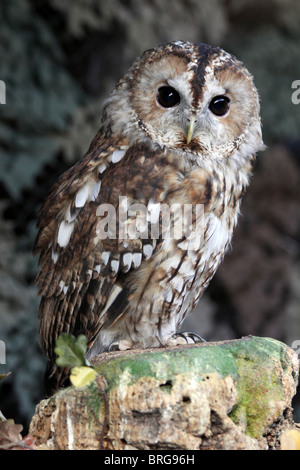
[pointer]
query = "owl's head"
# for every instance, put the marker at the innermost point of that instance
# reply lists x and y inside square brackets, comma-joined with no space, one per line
[192,97]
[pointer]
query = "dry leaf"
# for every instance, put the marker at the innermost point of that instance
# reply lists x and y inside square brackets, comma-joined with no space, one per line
[10,434]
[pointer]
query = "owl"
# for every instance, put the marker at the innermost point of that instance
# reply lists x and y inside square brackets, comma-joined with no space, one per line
[130,236]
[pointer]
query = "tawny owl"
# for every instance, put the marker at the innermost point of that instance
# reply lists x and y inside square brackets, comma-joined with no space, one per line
[180,130]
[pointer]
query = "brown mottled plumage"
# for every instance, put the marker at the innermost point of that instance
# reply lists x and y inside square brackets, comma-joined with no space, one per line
[181,127]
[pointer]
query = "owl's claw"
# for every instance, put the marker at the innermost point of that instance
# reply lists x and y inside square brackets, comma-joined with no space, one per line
[190,335]
[114,346]
[122,345]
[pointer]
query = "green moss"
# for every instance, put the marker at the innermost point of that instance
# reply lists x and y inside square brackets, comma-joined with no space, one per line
[255,364]
[95,402]
[164,364]
[259,386]
[258,389]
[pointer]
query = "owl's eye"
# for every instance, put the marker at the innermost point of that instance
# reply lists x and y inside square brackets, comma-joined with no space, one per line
[167,97]
[219,105]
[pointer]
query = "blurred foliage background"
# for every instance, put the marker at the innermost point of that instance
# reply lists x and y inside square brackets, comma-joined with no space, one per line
[59,59]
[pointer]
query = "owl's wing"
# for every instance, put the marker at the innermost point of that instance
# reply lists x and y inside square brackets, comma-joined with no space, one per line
[82,273]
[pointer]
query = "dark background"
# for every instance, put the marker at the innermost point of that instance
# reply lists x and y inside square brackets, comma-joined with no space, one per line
[59,59]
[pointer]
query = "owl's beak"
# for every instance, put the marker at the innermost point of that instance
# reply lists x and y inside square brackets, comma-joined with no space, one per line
[190,131]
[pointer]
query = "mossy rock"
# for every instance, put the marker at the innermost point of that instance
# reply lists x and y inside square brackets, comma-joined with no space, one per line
[225,395]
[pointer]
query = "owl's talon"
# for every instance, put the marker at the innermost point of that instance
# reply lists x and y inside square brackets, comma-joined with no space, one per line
[190,335]
[114,346]
[174,341]
[122,345]
[181,335]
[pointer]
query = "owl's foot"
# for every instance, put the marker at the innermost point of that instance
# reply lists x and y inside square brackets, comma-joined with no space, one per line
[122,345]
[189,337]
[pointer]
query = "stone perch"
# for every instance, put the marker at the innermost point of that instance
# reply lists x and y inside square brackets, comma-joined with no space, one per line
[224,395]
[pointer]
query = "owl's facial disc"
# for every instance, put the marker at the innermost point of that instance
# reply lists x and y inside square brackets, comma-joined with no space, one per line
[192,97]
